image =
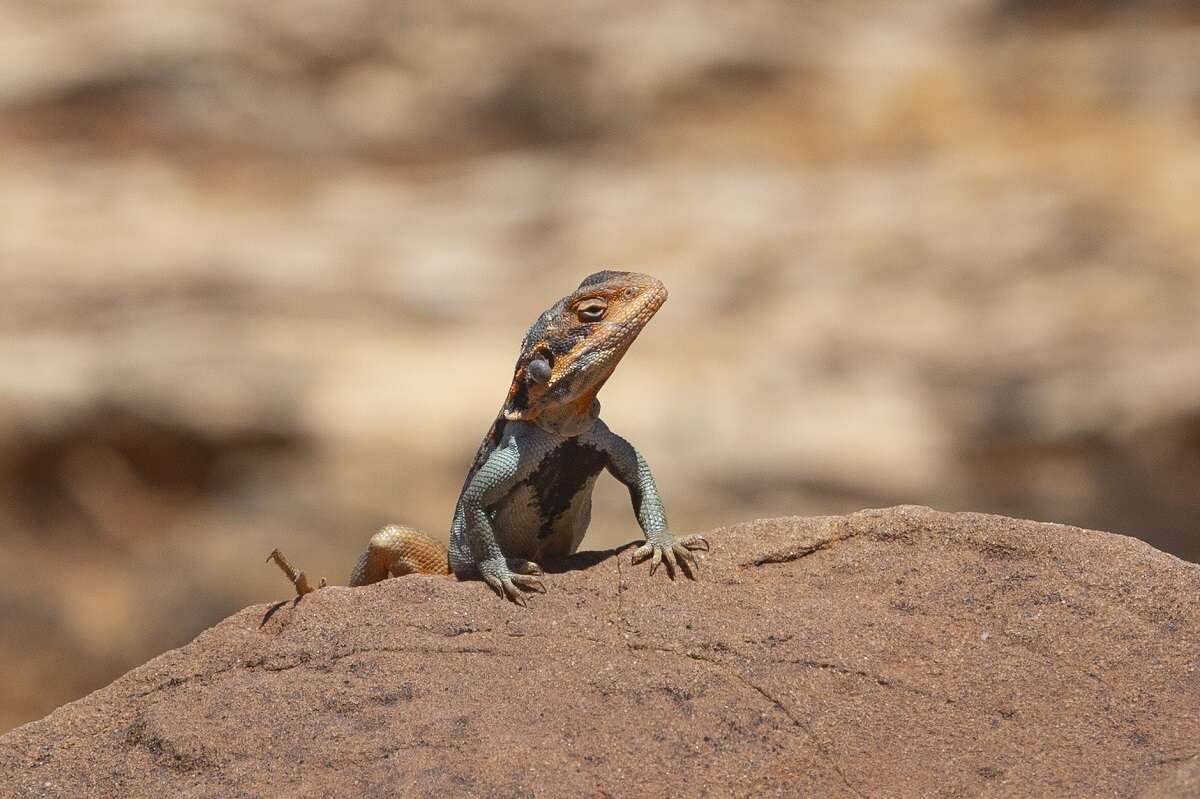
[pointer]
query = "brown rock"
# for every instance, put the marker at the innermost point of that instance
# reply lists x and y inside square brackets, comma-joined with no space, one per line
[899,652]
[1184,782]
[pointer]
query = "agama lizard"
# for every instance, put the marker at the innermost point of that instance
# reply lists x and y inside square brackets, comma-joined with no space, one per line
[528,493]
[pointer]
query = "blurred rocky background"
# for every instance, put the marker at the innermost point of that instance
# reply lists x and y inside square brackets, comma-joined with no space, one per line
[264,268]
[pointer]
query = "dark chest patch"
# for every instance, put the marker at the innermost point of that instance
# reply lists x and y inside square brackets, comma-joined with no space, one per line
[559,478]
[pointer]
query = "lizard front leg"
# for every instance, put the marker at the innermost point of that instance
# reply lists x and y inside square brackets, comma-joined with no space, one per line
[627,464]
[473,539]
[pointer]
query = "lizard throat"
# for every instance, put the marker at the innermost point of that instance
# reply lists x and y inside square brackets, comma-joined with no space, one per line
[570,419]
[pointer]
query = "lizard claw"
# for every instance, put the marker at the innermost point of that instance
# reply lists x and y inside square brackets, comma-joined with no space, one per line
[526,574]
[529,583]
[675,553]
[510,578]
[506,589]
[668,556]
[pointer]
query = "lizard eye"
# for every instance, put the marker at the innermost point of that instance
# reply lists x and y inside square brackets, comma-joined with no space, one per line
[592,310]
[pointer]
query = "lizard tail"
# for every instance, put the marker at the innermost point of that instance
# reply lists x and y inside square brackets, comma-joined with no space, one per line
[397,550]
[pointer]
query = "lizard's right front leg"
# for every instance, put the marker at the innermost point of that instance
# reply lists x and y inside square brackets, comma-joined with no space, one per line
[480,551]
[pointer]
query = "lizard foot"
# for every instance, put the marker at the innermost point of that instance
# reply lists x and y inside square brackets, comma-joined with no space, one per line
[673,552]
[298,579]
[509,578]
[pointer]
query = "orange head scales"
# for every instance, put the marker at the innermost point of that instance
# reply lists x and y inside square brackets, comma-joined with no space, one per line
[574,346]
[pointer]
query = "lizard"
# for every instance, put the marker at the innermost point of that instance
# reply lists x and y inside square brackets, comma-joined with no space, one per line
[528,491]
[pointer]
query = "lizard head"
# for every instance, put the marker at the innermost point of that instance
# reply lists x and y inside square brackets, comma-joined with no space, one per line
[574,346]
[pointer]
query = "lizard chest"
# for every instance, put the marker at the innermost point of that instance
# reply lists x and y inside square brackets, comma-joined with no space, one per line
[548,512]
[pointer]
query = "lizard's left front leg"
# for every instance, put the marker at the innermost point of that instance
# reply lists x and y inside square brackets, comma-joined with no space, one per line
[627,465]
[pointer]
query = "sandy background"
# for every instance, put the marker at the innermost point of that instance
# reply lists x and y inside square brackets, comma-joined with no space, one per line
[264,269]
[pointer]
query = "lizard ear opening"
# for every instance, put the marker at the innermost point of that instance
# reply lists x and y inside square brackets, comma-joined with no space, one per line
[538,371]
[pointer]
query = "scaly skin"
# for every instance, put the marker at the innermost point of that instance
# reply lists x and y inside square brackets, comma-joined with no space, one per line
[528,493]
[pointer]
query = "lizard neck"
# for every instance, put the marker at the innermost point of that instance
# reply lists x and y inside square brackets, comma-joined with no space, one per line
[571,419]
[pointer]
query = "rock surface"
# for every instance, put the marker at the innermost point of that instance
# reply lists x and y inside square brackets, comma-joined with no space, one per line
[898,652]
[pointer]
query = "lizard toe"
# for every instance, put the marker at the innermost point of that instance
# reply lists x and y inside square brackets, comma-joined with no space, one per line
[509,585]
[496,584]
[529,583]
[508,590]
[687,560]
[514,594]
[525,567]
[673,553]
[641,553]
[668,556]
